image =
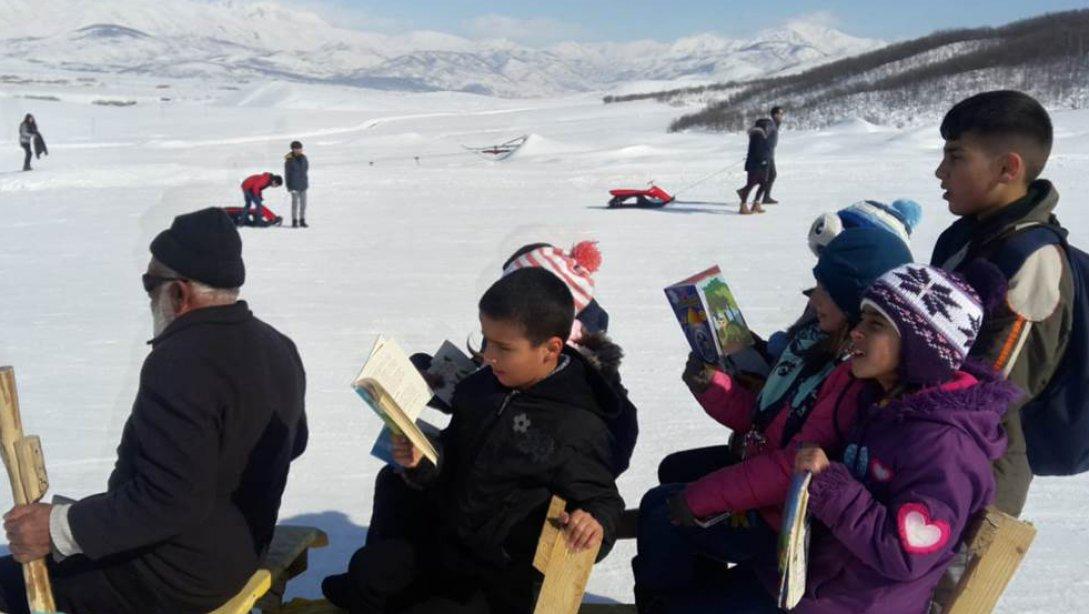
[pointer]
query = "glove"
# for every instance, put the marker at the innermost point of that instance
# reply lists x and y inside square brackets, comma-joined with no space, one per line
[697,374]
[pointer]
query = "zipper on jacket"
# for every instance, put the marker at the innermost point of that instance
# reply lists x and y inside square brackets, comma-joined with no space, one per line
[506,402]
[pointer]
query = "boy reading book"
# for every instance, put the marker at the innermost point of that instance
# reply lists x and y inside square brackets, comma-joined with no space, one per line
[530,424]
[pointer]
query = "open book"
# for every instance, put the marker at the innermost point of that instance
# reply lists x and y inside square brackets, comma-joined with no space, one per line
[794,542]
[394,389]
[712,322]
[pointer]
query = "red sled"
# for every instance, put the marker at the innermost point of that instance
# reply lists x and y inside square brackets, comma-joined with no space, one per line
[268,218]
[651,198]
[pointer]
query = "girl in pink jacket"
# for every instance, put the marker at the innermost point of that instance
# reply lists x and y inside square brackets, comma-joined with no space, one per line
[731,513]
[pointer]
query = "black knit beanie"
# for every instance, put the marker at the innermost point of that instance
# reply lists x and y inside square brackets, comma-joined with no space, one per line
[203,246]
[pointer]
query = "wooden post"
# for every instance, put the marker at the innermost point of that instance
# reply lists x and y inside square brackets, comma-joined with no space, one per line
[565,572]
[995,549]
[26,470]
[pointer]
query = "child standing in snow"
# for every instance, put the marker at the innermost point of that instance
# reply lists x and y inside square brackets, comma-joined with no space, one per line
[296,173]
[918,463]
[30,139]
[809,396]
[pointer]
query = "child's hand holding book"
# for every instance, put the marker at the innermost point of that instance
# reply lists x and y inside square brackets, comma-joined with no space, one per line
[697,374]
[810,458]
[583,530]
[404,453]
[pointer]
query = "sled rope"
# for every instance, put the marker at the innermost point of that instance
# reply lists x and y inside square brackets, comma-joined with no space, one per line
[708,178]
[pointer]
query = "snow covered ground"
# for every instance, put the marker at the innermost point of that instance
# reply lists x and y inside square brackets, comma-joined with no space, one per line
[405,248]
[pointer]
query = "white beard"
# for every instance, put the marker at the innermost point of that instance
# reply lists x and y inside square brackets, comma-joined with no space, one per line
[162,313]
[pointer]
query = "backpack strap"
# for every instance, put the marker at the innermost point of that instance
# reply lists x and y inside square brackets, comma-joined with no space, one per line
[1024,242]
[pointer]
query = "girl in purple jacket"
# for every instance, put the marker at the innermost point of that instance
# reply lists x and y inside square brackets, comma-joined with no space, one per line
[917,466]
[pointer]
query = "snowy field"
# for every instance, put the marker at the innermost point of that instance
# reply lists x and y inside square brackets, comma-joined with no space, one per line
[405,247]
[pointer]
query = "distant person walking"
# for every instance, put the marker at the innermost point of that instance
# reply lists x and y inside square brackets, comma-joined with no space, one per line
[756,165]
[31,140]
[296,169]
[764,194]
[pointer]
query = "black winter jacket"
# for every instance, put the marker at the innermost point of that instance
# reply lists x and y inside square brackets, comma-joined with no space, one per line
[506,452]
[296,172]
[761,149]
[203,460]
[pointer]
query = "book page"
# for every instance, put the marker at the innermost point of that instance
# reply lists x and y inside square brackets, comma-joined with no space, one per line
[389,366]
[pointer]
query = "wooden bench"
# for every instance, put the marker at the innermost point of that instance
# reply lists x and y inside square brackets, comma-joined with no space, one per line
[565,572]
[996,544]
[287,557]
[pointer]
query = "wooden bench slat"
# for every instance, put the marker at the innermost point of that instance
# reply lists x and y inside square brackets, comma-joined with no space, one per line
[242,602]
[996,546]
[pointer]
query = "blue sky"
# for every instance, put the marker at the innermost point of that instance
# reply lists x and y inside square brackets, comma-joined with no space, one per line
[547,21]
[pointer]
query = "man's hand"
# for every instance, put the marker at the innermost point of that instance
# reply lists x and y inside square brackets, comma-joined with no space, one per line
[27,528]
[697,374]
[583,530]
[810,458]
[404,453]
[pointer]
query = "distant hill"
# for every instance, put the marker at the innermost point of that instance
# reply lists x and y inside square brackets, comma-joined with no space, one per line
[247,40]
[908,82]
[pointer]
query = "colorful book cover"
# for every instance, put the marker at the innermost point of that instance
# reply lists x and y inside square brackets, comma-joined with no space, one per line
[709,316]
[383,446]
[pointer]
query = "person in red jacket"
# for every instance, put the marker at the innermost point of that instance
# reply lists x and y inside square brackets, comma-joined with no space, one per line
[252,189]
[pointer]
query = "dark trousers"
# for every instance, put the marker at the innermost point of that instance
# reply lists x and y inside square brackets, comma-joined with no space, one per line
[738,591]
[81,586]
[397,508]
[26,159]
[252,200]
[667,553]
[691,465]
[406,566]
[765,190]
[755,178]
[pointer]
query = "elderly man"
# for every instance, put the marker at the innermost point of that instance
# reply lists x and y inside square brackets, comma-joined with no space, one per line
[192,502]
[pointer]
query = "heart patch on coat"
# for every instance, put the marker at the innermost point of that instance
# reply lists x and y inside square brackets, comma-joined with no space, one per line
[919,534]
[880,471]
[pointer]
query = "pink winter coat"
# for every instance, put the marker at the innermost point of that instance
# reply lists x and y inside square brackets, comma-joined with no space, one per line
[761,480]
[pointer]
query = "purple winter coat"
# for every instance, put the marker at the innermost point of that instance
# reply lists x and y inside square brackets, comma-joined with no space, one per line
[895,510]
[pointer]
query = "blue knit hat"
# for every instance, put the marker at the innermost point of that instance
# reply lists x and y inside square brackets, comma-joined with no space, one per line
[900,218]
[853,261]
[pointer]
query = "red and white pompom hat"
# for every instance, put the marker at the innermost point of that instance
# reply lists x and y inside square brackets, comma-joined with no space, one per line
[574,268]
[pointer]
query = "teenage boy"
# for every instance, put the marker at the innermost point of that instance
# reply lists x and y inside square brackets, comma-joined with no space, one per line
[996,145]
[529,424]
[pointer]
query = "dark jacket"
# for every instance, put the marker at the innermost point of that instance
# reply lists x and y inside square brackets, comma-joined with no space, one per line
[892,514]
[295,172]
[1026,338]
[506,452]
[39,145]
[203,460]
[772,129]
[760,146]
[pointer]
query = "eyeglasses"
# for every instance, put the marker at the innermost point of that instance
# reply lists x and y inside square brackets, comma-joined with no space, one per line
[154,281]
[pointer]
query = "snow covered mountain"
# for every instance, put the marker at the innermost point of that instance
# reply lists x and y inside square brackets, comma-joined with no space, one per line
[232,38]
